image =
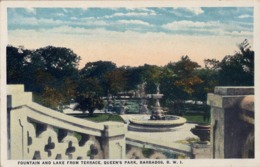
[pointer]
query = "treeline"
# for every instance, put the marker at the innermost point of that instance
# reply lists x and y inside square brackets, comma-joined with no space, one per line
[52,74]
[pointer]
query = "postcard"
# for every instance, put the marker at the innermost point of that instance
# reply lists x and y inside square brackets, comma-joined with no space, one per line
[129,83]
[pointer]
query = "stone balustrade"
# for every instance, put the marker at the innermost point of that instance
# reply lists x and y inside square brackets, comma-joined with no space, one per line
[37,132]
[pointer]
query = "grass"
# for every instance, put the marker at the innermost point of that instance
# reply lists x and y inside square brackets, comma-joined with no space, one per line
[102,117]
[198,118]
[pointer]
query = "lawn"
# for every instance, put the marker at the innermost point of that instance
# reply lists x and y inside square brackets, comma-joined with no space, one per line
[102,117]
[196,118]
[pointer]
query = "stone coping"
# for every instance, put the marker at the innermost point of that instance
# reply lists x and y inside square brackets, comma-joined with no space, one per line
[234,90]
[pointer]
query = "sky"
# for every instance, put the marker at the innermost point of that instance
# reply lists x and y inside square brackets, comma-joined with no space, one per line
[134,36]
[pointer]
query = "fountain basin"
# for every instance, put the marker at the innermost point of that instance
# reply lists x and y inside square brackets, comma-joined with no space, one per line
[144,124]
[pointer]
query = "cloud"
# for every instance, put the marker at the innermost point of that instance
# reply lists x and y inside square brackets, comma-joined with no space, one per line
[208,28]
[93,23]
[138,22]
[146,10]
[44,22]
[196,11]
[244,16]
[129,14]
[74,18]
[32,21]
[68,30]
[60,14]
[193,10]
[186,24]
[30,10]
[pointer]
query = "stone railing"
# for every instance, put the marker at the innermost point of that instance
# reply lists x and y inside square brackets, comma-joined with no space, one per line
[37,132]
[232,122]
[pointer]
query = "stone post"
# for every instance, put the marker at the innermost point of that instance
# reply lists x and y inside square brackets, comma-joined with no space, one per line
[228,131]
[16,97]
[113,140]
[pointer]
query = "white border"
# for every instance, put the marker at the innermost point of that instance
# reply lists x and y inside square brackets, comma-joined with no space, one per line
[107,4]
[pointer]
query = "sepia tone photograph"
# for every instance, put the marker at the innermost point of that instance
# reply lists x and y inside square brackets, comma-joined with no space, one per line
[128,84]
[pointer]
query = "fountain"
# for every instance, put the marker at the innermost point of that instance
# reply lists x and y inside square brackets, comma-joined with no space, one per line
[157,112]
[157,121]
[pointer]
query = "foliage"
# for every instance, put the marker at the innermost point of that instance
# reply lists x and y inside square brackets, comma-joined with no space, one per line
[209,81]
[49,72]
[97,69]
[185,79]
[52,74]
[17,63]
[238,70]
[89,103]
[115,81]
[58,61]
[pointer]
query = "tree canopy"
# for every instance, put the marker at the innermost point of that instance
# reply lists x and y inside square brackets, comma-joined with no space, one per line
[52,74]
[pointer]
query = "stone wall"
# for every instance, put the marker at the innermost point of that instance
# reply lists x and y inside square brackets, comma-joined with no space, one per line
[232,122]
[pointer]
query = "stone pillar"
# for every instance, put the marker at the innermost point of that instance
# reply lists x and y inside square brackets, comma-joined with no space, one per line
[228,130]
[113,140]
[16,97]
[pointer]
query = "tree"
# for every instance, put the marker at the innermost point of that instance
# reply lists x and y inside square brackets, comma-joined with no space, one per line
[167,80]
[92,85]
[132,77]
[151,75]
[55,70]
[238,70]
[179,83]
[89,85]
[212,64]
[48,72]
[186,79]
[209,81]
[115,81]
[17,60]
[96,71]
[89,103]
[60,62]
